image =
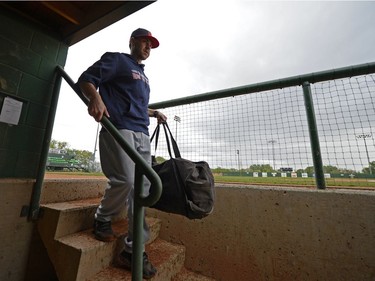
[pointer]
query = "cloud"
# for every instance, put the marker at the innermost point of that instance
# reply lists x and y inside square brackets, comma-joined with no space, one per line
[216,130]
[212,45]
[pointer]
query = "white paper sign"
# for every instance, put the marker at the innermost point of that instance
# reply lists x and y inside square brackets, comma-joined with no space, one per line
[11,111]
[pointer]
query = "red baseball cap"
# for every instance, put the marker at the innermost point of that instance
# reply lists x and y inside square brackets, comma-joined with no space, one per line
[141,32]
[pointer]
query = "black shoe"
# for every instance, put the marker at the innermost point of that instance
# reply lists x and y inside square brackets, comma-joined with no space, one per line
[125,260]
[103,231]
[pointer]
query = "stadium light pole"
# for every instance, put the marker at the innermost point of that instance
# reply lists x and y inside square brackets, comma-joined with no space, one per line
[178,120]
[364,137]
[96,143]
[273,152]
[238,159]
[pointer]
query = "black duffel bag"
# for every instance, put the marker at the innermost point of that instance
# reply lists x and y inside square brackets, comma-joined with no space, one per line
[188,187]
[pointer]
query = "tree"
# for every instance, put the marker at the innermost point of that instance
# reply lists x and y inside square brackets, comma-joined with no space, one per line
[261,168]
[331,169]
[84,157]
[309,170]
[221,170]
[58,144]
[347,171]
[366,170]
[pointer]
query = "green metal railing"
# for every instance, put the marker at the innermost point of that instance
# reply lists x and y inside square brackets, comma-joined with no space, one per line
[33,210]
[142,168]
[304,81]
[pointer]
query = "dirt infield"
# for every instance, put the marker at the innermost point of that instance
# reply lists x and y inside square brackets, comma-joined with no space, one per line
[69,175]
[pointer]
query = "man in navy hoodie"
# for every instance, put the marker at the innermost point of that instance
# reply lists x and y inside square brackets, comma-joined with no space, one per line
[117,87]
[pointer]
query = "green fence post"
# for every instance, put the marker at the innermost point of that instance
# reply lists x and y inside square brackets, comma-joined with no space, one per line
[314,138]
[138,213]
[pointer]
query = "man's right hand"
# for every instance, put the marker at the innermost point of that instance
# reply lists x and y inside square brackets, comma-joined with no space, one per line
[96,107]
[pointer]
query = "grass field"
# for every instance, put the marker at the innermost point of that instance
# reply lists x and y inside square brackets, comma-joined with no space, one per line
[274,181]
[308,182]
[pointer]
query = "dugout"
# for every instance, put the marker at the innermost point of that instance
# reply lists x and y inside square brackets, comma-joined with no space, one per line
[35,38]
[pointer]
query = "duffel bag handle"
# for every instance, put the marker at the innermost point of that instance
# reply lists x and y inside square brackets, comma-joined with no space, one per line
[169,138]
[176,150]
[155,133]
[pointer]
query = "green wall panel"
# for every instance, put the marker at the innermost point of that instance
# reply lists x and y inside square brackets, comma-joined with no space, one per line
[28,60]
[35,89]
[9,79]
[47,70]
[15,31]
[8,161]
[3,131]
[24,138]
[27,164]
[45,46]
[37,115]
[19,56]
[62,55]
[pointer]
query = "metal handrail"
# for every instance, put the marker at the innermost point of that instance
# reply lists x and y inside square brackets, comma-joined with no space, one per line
[34,209]
[142,168]
[312,78]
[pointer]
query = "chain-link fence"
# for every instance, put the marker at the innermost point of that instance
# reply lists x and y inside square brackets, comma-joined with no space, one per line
[263,136]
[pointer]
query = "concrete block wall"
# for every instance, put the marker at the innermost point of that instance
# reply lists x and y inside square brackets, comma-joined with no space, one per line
[29,54]
[279,234]
[28,57]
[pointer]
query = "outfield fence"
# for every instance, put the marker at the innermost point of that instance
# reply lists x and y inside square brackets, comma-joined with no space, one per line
[317,125]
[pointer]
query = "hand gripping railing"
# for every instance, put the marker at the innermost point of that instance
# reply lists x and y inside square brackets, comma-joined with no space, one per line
[142,168]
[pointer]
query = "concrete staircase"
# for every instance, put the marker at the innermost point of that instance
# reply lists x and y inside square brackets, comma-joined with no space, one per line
[66,231]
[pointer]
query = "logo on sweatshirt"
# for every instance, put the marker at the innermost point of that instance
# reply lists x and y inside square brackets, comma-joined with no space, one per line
[137,75]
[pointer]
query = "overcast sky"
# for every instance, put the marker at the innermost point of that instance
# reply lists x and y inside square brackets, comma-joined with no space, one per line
[213,44]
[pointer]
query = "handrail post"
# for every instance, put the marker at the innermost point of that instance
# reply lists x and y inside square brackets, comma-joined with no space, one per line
[37,189]
[314,138]
[138,213]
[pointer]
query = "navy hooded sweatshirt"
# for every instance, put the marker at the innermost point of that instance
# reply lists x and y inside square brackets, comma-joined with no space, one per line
[124,89]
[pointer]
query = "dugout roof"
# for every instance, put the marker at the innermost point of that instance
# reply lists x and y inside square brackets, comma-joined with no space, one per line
[73,21]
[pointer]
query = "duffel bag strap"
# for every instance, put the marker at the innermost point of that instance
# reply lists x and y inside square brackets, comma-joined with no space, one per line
[169,138]
[155,133]
[176,150]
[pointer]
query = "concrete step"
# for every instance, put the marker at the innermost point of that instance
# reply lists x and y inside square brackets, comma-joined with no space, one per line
[166,257]
[65,227]
[64,218]
[66,231]
[187,275]
[69,189]
[79,255]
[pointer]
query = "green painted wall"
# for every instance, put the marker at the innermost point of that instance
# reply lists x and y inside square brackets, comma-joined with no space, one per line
[28,57]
